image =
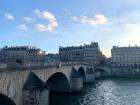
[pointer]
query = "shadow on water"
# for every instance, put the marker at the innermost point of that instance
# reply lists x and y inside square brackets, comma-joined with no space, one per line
[69,98]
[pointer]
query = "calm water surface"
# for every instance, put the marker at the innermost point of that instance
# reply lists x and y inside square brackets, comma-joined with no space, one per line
[118,91]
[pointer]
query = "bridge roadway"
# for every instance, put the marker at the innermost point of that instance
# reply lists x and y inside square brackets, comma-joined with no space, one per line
[31,85]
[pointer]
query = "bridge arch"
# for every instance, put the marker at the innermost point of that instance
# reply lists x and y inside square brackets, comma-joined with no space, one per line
[89,71]
[82,73]
[75,73]
[5,100]
[58,82]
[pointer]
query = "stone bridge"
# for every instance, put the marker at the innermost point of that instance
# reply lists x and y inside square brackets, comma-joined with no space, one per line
[101,71]
[31,86]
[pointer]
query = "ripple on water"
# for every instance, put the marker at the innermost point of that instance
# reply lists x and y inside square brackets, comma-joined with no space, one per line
[123,91]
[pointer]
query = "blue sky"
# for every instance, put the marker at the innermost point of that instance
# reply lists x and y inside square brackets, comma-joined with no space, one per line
[49,24]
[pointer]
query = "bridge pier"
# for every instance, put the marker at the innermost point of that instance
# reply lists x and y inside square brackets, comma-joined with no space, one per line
[76,81]
[76,84]
[35,97]
[35,91]
[90,78]
[97,74]
[90,75]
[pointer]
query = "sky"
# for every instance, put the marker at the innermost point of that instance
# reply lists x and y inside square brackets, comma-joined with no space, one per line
[48,24]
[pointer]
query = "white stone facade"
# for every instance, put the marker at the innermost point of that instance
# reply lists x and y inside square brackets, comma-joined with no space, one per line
[126,56]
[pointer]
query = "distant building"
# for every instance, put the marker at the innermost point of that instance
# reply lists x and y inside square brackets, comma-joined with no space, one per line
[125,56]
[89,53]
[21,54]
[52,58]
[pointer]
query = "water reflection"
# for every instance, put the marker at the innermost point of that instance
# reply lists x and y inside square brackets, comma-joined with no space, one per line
[119,91]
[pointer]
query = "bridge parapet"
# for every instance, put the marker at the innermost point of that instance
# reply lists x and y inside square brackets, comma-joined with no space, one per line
[13,66]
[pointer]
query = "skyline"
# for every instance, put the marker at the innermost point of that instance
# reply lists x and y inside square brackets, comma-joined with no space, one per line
[50,24]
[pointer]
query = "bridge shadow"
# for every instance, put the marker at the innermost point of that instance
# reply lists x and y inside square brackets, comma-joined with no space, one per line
[4,100]
[33,82]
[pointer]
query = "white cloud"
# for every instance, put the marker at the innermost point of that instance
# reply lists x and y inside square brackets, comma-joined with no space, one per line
[75,18]
[130,37]
[27,18]
[22,27]
[98,19]
[42,27]
[9,16]
[48,16]
[45,15]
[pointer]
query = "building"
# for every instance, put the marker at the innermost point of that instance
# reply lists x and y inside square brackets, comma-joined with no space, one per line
[51,58]
[21,54]
[92,53]
[89,53]
[125,56]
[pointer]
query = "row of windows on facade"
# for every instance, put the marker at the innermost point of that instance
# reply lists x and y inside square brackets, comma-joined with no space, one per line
[92,45]
[127,65]
[125,54]
[133,59]
[87,53]
[21,54]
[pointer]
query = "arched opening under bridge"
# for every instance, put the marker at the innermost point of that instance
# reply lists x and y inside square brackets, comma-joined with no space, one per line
[58,82]
[4,100]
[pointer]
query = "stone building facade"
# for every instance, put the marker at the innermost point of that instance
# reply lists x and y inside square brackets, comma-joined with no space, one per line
[21,54]
[125,56]
[89,53]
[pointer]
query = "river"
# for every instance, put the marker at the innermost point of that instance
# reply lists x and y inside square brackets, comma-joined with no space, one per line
[109,91]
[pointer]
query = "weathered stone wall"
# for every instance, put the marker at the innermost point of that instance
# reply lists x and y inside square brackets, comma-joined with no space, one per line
[90,78]
[11,84]
[35,97]
[97,74]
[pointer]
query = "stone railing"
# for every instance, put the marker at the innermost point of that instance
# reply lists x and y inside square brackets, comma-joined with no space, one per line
[34,65]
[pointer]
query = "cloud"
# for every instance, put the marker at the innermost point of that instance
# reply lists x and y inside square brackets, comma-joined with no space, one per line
[22,27]
[99,19]
[9,16]
[47,16]
[130,37]
[40,27]
[130,25]
[75,18]
[27,18]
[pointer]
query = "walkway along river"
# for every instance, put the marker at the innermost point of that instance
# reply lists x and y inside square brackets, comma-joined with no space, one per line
[108,91]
